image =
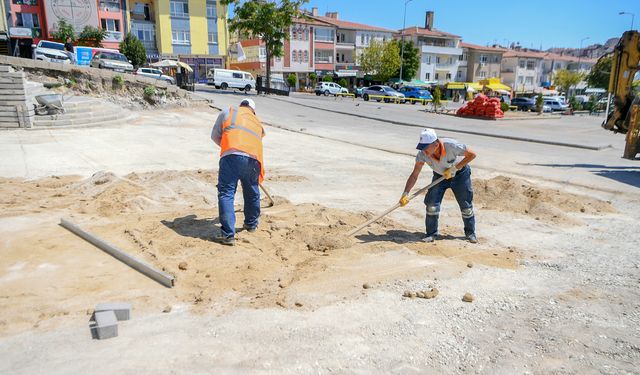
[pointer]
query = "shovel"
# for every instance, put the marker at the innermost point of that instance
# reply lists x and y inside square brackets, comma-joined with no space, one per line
[271,202]
[387,212]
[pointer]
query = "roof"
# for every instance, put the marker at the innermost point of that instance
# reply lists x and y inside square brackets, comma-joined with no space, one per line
[351,25]
[311,21]
[481,48]
[555,56]
[545,56]
[521,53]
[415,30]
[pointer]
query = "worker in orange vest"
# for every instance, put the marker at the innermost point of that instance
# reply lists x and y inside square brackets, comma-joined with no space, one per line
[239,134]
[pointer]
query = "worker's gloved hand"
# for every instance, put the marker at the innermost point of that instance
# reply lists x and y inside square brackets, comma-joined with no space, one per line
[404,200]
[449,173]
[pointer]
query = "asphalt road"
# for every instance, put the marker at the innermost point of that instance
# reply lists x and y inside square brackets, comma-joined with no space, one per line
[352,121]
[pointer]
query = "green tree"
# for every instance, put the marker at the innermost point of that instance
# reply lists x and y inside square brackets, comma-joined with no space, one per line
[63,30]
[410,60]
[600,73]
[380,59]
[539,103]
[437,97]
[313,77]
[567,79]
[291,80]
[92,36]
[134,50]
[327,78]
[343,82]
[268,20]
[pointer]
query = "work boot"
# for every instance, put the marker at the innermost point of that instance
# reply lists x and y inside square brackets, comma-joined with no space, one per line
[429,239]
[472,238]
[249,229]
[228,241]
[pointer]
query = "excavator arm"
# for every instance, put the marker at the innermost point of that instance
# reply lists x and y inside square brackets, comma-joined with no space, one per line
[625,118]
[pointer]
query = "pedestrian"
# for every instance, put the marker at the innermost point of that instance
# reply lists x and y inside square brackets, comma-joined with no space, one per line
[68,47]
[239,134]
[449,158]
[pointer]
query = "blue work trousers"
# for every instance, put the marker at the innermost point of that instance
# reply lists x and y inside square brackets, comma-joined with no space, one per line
[234,168]
[460,184]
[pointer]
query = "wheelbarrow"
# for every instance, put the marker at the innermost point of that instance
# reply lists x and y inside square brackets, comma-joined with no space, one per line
[49,104]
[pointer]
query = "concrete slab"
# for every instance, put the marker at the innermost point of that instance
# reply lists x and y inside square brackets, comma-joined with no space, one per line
[106,325]
[122,310]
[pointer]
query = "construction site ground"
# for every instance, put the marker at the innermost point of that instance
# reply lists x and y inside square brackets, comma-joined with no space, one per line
[554,277]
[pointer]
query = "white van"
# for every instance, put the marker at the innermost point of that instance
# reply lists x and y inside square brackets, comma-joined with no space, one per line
[236,79]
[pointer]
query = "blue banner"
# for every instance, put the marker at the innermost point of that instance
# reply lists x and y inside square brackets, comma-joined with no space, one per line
[84,55]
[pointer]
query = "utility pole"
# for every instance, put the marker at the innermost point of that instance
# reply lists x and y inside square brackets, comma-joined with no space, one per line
[404,20]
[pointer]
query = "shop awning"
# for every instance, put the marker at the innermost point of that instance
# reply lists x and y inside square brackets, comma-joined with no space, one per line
[346,73]
[498,86]
[474,85]
[456,86]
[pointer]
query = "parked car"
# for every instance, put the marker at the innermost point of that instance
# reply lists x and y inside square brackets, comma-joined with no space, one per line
[235,79]
[524,104]
[51,52]
[155,73]
[380,90]
[359,91]
[326,88]
[556,105]
[112,61]
[415,93]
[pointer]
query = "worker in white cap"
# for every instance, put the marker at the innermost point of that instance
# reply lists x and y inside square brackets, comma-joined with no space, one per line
[239,133]
[449,158]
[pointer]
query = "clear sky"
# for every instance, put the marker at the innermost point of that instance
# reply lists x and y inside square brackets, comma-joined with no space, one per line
[550,23]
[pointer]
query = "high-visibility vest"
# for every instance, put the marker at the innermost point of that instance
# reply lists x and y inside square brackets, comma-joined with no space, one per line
[243,131]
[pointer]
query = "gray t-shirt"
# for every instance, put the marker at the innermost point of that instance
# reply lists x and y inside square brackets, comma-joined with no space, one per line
[454,152]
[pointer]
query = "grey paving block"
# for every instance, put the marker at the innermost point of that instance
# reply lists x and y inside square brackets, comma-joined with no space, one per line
[122,310]
[106,325]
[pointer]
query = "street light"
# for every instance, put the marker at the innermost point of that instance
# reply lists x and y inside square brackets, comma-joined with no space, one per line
[632,17]
[580,50]
[404,20]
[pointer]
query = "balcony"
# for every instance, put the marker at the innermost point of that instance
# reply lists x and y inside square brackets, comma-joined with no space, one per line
[113,36]
[441,50]
[110,6]
[345,45]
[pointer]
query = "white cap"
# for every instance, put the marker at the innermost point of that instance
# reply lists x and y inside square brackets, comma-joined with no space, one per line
[250,103]
[427,137]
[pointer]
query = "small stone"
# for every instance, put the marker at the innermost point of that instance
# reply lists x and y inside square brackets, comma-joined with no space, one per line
[167,309]
[467,297]
[89,311]
[413,295]
[407,293]
[183,266]
[582,210]
[420,294]
[433,293]
[280,304]
[470,265]
[207,276]
[298,304]
[366,286]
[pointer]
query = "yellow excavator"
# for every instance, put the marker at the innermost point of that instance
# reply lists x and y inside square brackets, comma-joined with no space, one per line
[625,117]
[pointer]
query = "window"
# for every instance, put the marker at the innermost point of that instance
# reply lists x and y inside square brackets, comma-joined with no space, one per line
[521,79]
[143,10]
[181,37]
[211,10]
[483,74]
[494,74]
[496,58]
[323,56]
[27,20]
[237,75]
[306,34]
[213,38]
[459,75]
[25,2]
[427,76]
[179,8]
[448,75]
[483,60]
[450,60]
[306,56]
[529,80]
[531,65]
[437,60]
[427,60]
[361,38]
[337,57]
[110,5]
[294,33]
[521,64]
[144,32]
[294,55]
[437,76]
[324,35]
[110,25]
[343,59]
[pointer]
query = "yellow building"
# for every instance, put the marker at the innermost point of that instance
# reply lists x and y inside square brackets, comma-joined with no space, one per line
[193,31]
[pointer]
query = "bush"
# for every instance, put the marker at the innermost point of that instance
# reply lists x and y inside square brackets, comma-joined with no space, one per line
[149,93]
[573,102]
[291,80]
[343,82]
[327,79]
[437,96]
[504,106]
[117,82]
[313,77]
[539,103]
[92,36]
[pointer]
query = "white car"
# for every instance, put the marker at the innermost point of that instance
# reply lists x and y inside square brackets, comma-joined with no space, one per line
[326,88]
[556,105]
[51,52]
[236,79]
[155,73]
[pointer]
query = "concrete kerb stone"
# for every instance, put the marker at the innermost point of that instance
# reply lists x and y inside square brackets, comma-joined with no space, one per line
[105,325]
[122,310]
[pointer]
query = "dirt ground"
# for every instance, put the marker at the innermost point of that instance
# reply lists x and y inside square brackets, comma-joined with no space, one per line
[167,218]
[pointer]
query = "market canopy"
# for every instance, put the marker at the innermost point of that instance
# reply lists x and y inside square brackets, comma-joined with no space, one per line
[474,86]
[456,86]
[172,64]
[498,86]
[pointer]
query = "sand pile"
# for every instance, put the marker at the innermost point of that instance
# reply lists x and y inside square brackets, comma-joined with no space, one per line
[517,196]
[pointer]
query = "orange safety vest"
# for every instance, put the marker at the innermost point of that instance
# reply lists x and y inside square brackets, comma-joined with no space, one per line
[243,131]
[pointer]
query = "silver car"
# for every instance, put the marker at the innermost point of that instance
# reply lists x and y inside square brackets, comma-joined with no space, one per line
[381,92]
[155,73]
[111,60]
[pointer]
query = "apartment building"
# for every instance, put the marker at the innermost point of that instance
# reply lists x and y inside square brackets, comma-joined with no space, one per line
[193,31]
[553,62]
[351,39]
[479,63]
[439,51]
[522,70]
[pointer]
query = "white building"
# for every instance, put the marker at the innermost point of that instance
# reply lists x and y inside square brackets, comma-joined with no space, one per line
[522,70]
[440,52]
